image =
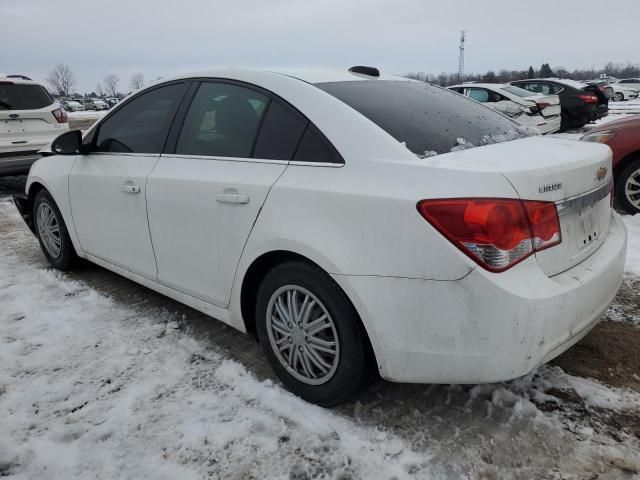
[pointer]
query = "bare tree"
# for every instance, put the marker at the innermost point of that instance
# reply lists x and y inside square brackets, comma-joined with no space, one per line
[137,81]
[99,90]
[61,79]
[110,83]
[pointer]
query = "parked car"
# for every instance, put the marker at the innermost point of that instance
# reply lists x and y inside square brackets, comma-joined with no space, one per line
[581,103]
[623,136]
[622,92]
[89,104]
[29,120]
[100,104]
[604,86]
[112,101]
[299,207]
[632,83]
[526,108]
[72,106]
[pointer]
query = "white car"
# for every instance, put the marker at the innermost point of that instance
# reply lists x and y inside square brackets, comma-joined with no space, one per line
[100,104]
[29,120]
[632,83]
[622,92]
[72,106]
[528,109]
[301,208]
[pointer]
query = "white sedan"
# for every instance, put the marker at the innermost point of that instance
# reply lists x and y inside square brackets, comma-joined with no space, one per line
[622,92]
[529,109]
[343,219]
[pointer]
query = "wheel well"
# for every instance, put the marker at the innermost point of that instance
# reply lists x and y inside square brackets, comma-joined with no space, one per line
[254,276]
[34,188]
[625,161]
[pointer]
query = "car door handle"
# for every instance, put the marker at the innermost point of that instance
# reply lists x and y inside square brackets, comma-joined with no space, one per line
[129,188]
[232,198]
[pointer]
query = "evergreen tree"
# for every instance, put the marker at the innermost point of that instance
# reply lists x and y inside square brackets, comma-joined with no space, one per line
[531,73]
[545,71]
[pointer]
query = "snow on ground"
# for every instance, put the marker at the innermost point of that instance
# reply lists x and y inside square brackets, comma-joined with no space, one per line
[91,387]
[628,106]
[633,249]
[87,114]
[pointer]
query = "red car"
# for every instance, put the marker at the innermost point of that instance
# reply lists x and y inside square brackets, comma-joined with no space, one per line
[623,136]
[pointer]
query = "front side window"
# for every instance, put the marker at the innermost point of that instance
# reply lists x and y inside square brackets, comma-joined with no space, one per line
[142,124]
[425,117]
[23,96]
[222,121]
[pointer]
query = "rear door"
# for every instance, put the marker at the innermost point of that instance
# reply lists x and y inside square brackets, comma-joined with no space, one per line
[108,186]
[206,191]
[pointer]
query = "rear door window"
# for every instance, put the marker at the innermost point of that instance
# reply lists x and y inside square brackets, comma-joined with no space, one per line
[479,95]
[222,121]
[142,124]
[425,117]
[23,96]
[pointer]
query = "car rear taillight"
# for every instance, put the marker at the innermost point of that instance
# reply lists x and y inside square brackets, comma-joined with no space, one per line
[495,233]
[61,115]
[588,97]
[542,105]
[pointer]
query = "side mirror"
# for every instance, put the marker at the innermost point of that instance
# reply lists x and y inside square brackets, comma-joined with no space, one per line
[69,143]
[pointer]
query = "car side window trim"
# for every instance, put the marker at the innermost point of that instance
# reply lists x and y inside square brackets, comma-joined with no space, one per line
[180,117]
[90,139]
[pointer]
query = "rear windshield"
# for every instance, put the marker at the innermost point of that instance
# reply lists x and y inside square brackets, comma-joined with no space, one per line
[23,97]
[429,120]
[520,92]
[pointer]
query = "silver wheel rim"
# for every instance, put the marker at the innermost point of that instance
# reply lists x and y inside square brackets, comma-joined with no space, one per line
[49,230]
[632,189]
[619,97]
[302,335]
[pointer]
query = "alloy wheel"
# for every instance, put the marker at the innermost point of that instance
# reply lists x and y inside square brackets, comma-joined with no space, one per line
[49,230]
[632,189]
[302,335]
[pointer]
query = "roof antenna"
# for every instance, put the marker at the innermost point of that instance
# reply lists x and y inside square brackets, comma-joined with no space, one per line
[371,71]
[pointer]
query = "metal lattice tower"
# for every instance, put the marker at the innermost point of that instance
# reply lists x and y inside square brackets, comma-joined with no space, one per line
[461,58]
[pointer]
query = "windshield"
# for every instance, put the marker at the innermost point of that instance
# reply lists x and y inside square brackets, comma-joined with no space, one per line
[520,92]
[429,120]
[23,97]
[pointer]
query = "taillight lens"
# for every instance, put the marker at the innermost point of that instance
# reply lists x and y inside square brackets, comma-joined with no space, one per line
[496,233]
[542,105]
[61,115]
[588,97]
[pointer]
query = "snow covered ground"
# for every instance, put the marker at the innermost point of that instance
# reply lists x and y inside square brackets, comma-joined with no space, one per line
[94,385]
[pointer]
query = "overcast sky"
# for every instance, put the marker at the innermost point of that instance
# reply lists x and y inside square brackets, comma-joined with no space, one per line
[165,37]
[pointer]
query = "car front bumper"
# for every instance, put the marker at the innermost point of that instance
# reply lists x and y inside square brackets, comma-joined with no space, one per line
[485,327]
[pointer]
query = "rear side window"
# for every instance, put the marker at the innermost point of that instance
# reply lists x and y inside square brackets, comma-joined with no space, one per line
[425,117]
[23,97]
[142,124]
[222,121]
[280,134]
[315,148]
[479,95]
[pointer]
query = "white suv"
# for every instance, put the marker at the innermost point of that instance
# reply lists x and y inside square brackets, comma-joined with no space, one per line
[29,120]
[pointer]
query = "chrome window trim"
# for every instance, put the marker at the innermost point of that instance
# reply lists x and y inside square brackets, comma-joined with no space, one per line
[578,202]
[225,159]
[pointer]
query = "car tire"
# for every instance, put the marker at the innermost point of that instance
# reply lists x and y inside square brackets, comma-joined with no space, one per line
[325,377]
[52,233]
[627,199]
[564,122]
[619,97]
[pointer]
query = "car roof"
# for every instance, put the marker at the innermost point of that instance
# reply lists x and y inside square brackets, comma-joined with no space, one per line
[17,80]
[308,75]
[564,81]
[482,85]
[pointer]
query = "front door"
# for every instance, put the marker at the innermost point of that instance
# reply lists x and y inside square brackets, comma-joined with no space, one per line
[108,186]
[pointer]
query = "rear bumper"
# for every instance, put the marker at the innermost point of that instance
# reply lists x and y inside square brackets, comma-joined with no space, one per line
[485,327]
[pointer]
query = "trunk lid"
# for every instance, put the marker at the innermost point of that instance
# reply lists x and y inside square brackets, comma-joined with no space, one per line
[575,175]
[17,124]
[549,105]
